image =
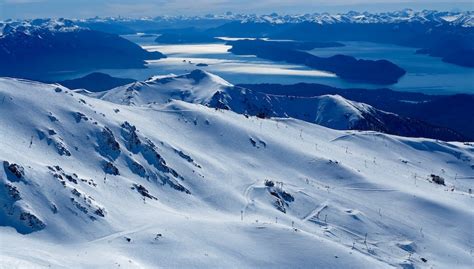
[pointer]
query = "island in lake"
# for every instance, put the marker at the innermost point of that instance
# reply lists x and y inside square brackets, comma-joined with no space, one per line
[346,67]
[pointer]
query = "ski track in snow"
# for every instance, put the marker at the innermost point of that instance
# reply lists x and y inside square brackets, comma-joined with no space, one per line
[182,185]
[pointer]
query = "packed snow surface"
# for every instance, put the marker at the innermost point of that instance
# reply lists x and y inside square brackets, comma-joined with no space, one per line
[90,183]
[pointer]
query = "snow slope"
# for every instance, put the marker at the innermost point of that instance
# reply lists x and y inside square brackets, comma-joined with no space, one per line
[332,111]
[196,87]
[91,183]
[204,88]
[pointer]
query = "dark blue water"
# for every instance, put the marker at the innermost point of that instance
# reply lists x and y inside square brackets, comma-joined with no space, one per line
[424,73]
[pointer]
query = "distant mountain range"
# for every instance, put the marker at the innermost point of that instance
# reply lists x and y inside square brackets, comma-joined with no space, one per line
[461,18]
[35,48]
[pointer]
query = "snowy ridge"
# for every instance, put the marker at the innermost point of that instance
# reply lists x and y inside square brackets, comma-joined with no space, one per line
[196,87]
[207,89]
[204,88]
[90,183]
[32,27]
[463,18]
[336,112]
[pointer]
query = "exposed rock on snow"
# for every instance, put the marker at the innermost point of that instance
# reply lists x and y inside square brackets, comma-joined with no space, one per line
[342,193]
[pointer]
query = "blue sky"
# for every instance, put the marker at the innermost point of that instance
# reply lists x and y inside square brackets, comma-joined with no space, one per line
[136,8]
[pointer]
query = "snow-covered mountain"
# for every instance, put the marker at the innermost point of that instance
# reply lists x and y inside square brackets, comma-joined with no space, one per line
[38,48]
[204,88]
[332,111]
[460,18]
[196,87]
[464,19]
[32,27]
[86,182]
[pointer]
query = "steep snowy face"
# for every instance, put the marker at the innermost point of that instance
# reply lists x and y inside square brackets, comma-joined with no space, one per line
[196,87]
[336,112]
[99,184]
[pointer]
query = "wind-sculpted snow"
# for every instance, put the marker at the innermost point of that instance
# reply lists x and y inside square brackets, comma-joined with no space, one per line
[200,187]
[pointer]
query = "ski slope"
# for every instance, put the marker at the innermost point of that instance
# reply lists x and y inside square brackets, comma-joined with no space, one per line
[91,183]
[333,111]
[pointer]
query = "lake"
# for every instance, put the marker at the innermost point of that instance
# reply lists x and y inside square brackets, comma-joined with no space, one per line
[424,73]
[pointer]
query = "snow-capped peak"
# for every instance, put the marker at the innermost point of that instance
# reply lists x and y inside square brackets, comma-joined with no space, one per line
[37,26]
[196,87]
[464,18]
[336,112]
